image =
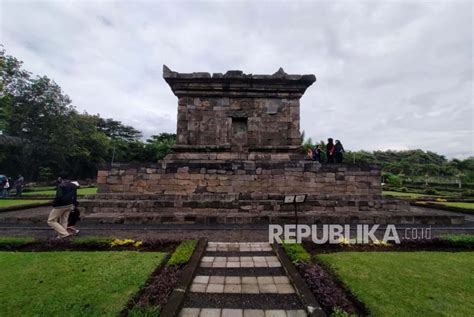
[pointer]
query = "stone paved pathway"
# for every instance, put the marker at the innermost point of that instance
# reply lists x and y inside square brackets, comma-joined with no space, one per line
[241,280]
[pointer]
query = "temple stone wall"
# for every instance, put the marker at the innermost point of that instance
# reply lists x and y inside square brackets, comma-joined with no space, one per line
[241,177]
[239,124]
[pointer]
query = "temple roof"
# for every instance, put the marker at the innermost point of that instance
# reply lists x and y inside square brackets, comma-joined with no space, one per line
[236,83]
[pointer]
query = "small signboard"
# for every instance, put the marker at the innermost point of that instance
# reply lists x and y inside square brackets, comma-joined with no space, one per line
[294,199]
[300,199]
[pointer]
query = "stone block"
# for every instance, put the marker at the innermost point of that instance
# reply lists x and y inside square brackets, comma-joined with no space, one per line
[189,312]
[102,173]
[215,288]
[210,312]
[254,313]
[232,312]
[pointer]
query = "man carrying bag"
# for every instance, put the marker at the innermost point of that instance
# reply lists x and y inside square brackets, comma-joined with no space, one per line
[64,202]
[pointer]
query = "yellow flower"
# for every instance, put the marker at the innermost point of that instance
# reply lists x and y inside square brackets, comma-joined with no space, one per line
[344,241]
[117,242]
[137,244]
[382,243]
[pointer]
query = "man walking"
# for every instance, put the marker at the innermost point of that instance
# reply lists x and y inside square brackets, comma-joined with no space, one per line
[19,183]
[64,202]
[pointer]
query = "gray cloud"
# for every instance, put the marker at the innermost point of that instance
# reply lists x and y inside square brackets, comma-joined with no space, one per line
[390,74]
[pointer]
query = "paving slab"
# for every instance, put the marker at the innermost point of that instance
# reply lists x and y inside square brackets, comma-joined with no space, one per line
[241,280]
[232,312]
[210,312]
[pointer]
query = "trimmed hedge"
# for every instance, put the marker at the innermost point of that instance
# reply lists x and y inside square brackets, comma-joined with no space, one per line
[182,253]
[91,242]
[14,242]
[296,253]
[459,239]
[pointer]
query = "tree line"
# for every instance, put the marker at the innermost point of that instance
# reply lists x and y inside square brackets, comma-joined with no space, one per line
[42,135]
[414,164]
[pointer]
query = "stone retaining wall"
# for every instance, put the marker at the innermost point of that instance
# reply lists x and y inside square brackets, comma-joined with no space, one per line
[185,177]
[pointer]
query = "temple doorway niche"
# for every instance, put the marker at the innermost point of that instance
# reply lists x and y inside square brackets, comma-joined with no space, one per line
[239,140]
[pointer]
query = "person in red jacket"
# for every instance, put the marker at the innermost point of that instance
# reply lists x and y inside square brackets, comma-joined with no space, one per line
[330,151]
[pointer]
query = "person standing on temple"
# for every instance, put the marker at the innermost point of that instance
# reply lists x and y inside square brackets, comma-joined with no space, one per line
[317,151]
[339,150]
[330,151]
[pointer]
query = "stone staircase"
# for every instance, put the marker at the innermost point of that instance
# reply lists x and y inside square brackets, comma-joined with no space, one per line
[254,208]
[241,280]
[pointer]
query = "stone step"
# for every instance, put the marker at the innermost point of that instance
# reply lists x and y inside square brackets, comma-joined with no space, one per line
[240,261]
[266,204]
[238,247]
[217,217]
[197,207]
[265,218]
[242,284]
[226,293]
[225,197]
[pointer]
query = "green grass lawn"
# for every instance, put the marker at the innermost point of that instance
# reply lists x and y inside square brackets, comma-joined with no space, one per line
[17,202]
[405,195]
[408,283]
[467,207]
[52,192]
[38,188]
[463,205]
[71,283]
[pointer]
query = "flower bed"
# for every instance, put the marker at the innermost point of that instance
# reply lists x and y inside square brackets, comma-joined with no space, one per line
[85,244]
[332,296]
[444,243]
[157,290]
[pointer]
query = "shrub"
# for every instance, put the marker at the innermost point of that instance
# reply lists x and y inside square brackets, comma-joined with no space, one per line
[91,242]
[394,180]
[468,193]
[296,253]
[182,253]
[126,242]
[430,191]
[339,312]
[14,242]
[460,239]
[404,189]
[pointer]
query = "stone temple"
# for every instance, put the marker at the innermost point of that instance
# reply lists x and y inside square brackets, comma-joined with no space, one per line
[238,152]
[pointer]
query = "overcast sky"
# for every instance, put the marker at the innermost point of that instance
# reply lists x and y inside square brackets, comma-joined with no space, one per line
[390,74]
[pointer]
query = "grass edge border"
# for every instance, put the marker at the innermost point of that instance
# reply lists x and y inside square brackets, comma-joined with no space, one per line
[308,299]
[176,299]
[339,282]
